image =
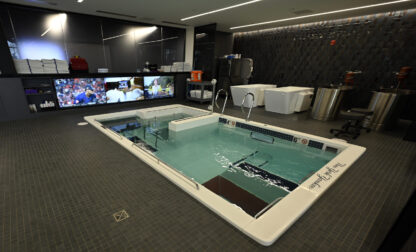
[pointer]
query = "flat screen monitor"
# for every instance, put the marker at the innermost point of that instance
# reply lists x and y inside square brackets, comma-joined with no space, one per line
[80,92]
[158,87]
[124,89]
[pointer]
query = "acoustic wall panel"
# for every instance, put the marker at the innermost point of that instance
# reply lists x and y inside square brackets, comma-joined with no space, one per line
[303,55]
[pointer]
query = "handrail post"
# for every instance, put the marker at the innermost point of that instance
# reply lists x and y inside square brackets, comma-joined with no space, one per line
[213,82]
[252,104]
[225,102]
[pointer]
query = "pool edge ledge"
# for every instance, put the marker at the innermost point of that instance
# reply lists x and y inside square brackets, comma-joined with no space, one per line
[267,228]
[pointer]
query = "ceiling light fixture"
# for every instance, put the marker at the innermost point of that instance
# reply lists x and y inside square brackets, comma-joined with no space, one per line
[80,1]
[222,9]
[56,24]
[319,14]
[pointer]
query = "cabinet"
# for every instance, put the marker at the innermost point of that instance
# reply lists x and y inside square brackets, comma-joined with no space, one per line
[40,94]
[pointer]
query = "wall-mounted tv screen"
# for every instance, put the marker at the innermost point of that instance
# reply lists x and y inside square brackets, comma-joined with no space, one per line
[124,89]
[74,92]
[158,86]
[80,92]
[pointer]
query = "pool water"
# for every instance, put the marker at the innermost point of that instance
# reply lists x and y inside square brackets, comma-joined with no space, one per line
[229,161]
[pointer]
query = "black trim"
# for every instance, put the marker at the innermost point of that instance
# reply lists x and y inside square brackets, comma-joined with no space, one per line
[331,149]
[88,75]
[265,131]
[222,120]
[315,144]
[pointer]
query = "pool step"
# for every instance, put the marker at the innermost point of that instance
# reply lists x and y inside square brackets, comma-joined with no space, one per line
[236,195]
[126,127]
[255,185]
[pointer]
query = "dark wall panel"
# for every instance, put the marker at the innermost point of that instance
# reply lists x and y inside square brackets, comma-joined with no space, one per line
[302,54]
[173,45]
[13,104]
[119,45]
[86,42]
[119,39]
[204,50]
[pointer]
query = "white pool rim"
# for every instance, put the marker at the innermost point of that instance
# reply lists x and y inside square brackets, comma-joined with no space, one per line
[267,228]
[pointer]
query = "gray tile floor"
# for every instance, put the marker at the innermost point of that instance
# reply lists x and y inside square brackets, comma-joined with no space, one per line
[60,185]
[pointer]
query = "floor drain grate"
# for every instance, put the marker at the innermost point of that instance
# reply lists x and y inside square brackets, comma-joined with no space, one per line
[121,215]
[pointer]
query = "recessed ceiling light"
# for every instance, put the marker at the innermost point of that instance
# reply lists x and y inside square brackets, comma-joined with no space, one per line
[318,14]
[80,1]
[222,9]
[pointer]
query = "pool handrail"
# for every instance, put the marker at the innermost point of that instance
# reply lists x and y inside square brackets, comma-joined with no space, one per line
[225,102]
[252,104]
[213,82]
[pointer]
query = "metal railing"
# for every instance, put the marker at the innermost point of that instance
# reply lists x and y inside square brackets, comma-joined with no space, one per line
[274,202]
[225,102]
[213,82]
[172,170]
[157,136]
[252,104]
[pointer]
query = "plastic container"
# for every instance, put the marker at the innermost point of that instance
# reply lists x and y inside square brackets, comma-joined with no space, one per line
[196,76]
[283,100]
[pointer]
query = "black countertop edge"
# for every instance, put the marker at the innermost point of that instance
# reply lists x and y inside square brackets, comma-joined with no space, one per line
[90,75]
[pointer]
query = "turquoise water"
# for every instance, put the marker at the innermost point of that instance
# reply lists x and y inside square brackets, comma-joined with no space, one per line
[205,152]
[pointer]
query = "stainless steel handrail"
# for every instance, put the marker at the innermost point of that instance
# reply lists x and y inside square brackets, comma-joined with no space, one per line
[157,136]
[252,104]
[267,207]
[173,170]
[213,82]
[225,102]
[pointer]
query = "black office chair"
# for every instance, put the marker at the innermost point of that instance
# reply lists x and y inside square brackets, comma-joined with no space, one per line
[353,126]
[366,112]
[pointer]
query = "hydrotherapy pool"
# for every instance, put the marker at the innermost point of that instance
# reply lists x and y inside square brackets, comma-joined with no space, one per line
[258,177]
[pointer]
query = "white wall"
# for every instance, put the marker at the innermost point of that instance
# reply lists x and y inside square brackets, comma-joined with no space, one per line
[189,46]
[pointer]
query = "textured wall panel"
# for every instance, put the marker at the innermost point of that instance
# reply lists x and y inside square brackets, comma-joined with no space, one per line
[302,55]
